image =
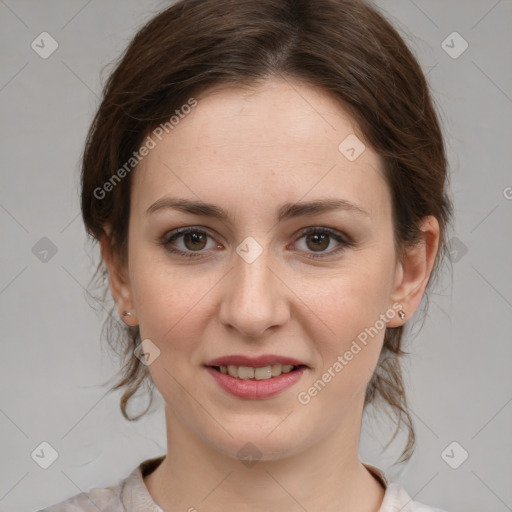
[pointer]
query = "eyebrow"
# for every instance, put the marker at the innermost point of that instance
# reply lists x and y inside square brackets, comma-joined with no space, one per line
[286,211]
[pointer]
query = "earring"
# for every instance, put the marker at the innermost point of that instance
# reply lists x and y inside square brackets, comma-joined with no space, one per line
[401,314]
[127,322]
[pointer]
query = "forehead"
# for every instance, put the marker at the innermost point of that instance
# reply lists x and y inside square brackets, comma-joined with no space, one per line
[275,142]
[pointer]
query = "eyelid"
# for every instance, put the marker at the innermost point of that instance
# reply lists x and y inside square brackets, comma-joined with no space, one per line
[324,230]
[177,233]
[344,241]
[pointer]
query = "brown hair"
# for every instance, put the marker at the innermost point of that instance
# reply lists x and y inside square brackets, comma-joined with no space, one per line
[345,47]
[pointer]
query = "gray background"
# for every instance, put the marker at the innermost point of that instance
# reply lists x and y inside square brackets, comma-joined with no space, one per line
[52,362]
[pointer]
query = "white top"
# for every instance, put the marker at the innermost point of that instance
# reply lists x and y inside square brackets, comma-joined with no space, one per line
[132,495]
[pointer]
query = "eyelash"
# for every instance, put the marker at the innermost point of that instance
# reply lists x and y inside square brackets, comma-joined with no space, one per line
[342,240]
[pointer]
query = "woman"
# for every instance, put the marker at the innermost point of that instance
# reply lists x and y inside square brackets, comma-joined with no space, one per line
[267,181]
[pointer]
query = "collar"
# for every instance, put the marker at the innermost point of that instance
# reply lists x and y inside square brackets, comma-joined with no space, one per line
[136,498]
[134,493]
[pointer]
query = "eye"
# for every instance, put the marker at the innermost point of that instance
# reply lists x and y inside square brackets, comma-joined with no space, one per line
[318,239]
[192,242]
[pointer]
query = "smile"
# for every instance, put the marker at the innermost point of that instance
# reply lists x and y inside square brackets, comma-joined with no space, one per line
[260,373]
[255,378]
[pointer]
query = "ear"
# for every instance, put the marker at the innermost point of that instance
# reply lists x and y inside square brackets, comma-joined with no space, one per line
[414,269]
[118,280]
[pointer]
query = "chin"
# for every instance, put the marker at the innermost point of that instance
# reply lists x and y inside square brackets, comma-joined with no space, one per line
[257,439]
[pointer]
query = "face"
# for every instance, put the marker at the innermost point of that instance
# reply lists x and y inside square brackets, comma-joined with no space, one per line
[259,280]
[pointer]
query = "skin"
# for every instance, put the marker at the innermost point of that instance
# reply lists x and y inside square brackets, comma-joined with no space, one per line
[248,151]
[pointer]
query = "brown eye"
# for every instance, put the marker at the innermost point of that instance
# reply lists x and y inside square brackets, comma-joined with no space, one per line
[319,239]
[194,241]
[318,242]
[188,242]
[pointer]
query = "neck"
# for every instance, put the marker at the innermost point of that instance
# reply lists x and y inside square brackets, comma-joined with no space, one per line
[327,476]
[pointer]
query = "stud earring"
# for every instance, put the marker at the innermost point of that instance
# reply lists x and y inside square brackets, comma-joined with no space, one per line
[127,322]
[401,314]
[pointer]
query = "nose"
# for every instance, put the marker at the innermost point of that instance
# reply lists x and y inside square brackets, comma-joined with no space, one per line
[255,299]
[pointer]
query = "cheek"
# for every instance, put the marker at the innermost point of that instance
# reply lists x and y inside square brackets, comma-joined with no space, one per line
[351,307]
[169,304]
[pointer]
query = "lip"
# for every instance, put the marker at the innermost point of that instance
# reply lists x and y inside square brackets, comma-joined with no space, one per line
[254,362]
[255,389]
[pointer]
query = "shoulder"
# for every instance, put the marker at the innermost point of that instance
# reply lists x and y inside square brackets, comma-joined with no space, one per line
[397,499]
[129,494]
[96,499]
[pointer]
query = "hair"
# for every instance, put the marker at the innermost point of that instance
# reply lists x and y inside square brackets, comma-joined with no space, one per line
[344,47]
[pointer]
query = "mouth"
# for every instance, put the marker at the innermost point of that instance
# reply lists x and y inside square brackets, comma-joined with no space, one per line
[255,377]
[257,373]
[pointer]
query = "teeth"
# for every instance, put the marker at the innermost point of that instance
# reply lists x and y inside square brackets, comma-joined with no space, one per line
[244,372]
[262,373]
